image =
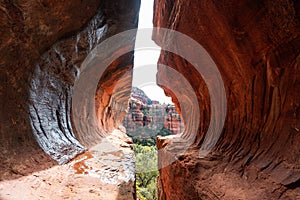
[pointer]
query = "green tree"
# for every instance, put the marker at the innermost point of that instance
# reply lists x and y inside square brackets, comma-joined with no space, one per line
[146,171]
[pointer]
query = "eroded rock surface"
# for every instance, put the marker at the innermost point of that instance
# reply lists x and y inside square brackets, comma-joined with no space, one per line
[255,45]
[43,44]
[28,28]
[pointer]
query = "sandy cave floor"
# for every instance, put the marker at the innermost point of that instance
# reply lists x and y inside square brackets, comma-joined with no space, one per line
[106,172]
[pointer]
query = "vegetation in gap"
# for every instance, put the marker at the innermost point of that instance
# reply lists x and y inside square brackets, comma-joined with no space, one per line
[146,164]
[144,121]
[145,136]
[146,172]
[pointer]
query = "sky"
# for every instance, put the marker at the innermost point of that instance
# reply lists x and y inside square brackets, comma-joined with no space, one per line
[145,60]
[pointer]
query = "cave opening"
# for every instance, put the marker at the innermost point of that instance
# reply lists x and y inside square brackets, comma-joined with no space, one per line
[54,109]
[150,112]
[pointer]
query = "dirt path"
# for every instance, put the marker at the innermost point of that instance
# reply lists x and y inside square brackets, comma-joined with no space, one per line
[105,172]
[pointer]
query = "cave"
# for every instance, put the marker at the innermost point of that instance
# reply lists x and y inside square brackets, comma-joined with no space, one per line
[231,68]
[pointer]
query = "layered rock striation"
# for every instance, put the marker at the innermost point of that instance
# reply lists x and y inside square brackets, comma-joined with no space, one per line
[43,46]
[255,46]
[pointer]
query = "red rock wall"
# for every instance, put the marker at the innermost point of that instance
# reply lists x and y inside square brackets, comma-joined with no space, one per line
[255,45]
[42,46]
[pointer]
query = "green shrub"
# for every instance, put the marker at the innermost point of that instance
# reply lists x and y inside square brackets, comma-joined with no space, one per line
[146,172]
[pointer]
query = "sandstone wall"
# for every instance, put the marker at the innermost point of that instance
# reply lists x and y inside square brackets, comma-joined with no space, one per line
[43,44]
[255,45]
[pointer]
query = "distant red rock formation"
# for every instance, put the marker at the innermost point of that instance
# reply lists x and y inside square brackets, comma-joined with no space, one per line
[146,112]
[173,122]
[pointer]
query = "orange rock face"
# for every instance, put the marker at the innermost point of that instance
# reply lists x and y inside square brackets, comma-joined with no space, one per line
[255,45]
[28,29]
[43,44]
